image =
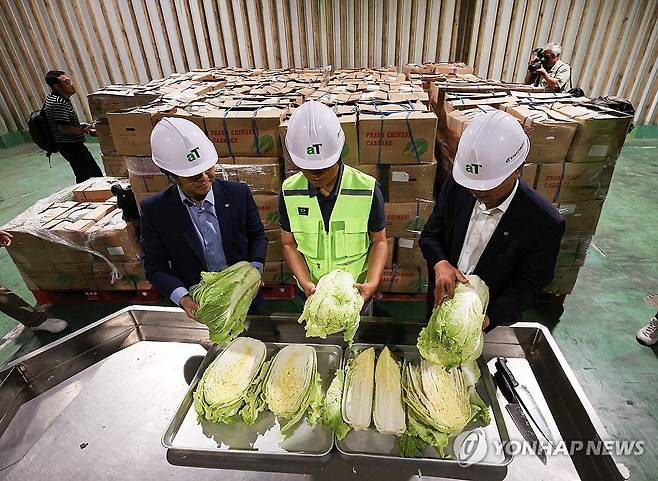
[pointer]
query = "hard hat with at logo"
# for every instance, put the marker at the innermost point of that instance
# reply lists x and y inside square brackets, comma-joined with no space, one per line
[315,137]
[181,147]
[491,148]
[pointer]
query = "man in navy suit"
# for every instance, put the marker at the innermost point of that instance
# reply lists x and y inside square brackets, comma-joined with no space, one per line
[487,221]
[199,223]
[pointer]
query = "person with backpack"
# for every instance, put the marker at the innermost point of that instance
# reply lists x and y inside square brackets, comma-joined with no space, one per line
[68,134]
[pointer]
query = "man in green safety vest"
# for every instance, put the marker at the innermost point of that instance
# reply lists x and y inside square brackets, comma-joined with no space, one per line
[331,215]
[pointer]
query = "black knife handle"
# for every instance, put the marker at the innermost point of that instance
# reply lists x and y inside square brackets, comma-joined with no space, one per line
[501,365]
[505,387]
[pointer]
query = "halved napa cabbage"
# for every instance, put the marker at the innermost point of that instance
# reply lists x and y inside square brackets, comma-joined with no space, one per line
[292,384]
[440,404]
[358,390]
[233,383]
[388,413]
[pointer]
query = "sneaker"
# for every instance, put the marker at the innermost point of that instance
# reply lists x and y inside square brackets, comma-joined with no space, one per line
[51,324]
[648,335]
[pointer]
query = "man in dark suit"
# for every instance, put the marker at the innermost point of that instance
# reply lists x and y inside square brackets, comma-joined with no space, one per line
[489,222]
[199,223]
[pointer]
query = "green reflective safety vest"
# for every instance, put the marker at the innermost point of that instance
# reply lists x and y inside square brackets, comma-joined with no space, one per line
[346,244]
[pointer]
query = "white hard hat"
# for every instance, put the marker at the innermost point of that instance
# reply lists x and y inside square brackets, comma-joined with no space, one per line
[181,147]
[491,148]
[315,137]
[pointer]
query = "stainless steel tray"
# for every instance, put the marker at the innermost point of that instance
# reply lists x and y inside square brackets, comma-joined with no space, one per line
[192,443]
[371,445]
[115,384]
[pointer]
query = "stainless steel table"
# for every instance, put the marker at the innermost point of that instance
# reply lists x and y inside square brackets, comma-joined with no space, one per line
[94,404]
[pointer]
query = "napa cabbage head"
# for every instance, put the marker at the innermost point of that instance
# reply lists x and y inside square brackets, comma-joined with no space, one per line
[334,307]
[224,299]
[454,335]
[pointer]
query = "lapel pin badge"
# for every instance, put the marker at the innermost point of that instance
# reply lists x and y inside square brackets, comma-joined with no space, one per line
[506,233]
[226,205]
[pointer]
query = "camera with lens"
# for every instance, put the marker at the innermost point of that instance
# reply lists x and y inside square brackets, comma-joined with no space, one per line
[536,62]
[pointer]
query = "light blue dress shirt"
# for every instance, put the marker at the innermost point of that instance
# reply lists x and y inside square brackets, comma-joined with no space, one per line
[206,224]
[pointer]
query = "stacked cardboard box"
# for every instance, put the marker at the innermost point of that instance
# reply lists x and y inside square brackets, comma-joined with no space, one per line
[55,243]
[573,149]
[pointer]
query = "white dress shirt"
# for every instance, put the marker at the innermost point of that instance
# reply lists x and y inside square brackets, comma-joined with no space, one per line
[481,227]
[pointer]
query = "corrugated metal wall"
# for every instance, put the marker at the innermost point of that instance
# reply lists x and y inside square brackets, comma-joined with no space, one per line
[611,44]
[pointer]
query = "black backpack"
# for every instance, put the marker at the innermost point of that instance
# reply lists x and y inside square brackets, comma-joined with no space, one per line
[40,132]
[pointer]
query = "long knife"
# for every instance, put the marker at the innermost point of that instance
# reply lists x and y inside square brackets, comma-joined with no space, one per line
[515,410]
[527,401]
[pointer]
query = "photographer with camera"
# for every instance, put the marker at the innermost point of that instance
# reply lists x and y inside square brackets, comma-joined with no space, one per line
[546,69]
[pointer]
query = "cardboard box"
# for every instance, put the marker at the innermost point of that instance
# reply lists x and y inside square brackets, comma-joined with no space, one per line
[574,181]
[104,136]
[407,183]
[145,176]
[274,246]
[99,190]
[116,239]
[550,132]
[457,121]
[460,84]
[373,171]
[118,97]
[601,134]
[404,280]
[263,175]
[573,250]
[529,174]
[132,277]
[396,134]
[563,281]
[471,101]
[131,131]
[66,277]
[407,218]
[245,131]
[114,165]
[268,208]
[29,252]
[581,218]
[408,252]
[452,68]
[277,273]
[179,113]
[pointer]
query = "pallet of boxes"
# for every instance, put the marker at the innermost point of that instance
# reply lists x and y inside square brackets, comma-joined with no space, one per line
[242,120]
[389,134]
[77,241]
[573,149]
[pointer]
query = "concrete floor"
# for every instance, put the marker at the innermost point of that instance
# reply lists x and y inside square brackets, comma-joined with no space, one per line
[596,331]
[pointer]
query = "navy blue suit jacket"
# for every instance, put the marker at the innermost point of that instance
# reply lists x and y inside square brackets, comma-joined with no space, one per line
[519,260]
[173,256]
